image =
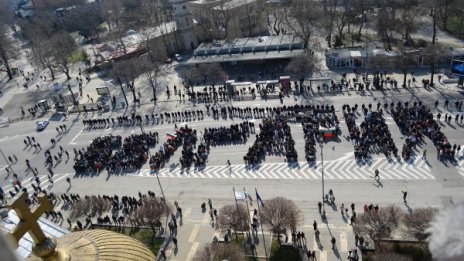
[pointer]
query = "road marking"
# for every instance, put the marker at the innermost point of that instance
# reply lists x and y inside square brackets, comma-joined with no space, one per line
[194,233]
[75,137]
[192,251]
[343,242]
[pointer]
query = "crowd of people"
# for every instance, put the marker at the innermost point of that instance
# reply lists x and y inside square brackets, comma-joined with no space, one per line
[274,137]
[311,121]
[134,119]
[236,133]
[416,120]
[112,153]
[372,135]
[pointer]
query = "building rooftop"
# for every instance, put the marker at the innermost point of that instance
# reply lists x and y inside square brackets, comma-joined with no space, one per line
[234,4]
[250,45]
[284,54]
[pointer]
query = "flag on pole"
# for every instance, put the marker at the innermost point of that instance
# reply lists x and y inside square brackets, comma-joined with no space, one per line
[250,199]
[239,195]
[171,136]
[243,196]
[260,201]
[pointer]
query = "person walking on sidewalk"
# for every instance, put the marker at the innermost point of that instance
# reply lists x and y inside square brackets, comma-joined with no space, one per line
[376,175]
[405,195]
[315,225]
[174,240]
[333,241]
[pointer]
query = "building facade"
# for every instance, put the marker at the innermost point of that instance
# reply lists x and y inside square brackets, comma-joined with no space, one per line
[187,37]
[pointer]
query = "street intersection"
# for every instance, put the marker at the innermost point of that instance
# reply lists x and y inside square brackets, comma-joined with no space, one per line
[429,182]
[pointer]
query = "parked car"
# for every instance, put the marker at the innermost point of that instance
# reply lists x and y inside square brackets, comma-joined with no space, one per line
[178,57]
[41,125]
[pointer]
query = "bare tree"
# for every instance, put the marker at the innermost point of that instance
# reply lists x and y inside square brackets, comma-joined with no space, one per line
[275,16]
[88,27]
[8,50]
[63,47]
[150,69]
[221,16]
[301,17]
[303,66]
[211,73]
[151,212]
[205,254]
[127,71]
[230,252]
[432,7]
[418,221]
[235,217]
[407,22]
[280,214]
[447,9]
[405,60]
[387,24]
[433,55]
[327,21]
[379,225]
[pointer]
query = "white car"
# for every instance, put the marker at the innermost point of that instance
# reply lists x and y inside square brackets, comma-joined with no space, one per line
[178,57]
[41,125]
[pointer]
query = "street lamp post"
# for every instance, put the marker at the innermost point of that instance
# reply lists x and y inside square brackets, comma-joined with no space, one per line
[72,94]
[123,92]
[7,162]
[323,193]
[157,177]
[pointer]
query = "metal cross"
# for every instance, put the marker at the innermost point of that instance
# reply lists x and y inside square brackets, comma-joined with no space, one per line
[28,220]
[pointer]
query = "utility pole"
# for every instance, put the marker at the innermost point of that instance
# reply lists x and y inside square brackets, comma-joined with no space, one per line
[123,92]
[323,193]
[7,162]
[149,156]
[72,94]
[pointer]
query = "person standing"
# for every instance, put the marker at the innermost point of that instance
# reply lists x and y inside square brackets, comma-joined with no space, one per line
[163,254]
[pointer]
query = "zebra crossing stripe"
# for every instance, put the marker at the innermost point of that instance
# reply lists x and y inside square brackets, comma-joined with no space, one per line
[413,169]
[357,172]
[341,171]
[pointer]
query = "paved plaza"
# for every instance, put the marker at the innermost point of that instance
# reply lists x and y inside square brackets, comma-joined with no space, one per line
[429,182]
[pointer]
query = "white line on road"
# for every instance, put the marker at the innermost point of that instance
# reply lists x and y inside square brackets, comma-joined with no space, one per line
[194,233]
[343,242]
[192,251]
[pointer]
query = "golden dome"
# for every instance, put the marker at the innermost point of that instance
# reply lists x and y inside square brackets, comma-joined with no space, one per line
[102,245]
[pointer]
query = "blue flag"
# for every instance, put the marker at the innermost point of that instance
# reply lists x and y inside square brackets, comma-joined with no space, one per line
[258,198]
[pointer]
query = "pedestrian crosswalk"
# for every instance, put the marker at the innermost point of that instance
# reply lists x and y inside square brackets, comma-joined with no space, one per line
[337,169]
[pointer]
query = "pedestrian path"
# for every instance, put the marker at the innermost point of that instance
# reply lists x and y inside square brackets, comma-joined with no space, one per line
[27,183]
[338,169]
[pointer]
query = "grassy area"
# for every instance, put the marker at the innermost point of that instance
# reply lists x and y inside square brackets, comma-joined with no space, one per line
[456,26]
[144,235]
[240,239]
[76,56]
[283,253]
